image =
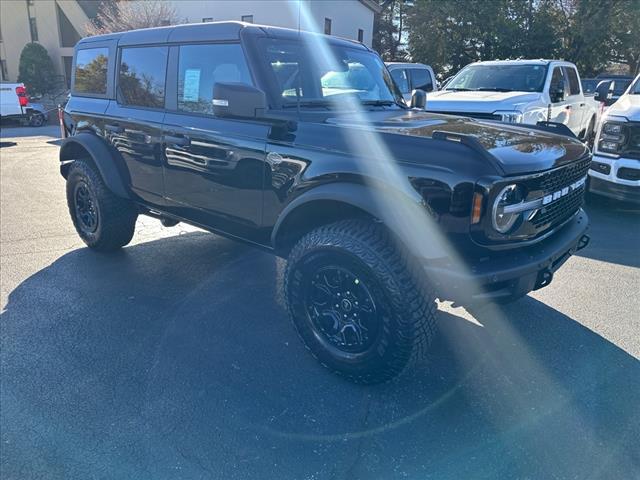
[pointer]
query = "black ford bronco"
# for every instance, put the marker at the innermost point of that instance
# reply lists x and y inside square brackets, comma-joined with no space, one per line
[301,145]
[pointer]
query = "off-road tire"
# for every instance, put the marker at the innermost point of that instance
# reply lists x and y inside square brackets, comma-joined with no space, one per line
[408,313]
[116,216]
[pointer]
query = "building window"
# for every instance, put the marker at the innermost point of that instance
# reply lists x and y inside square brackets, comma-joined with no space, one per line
[3,70]
[327,26]
[207,19]
[360,35]
[34,29]
[247,18]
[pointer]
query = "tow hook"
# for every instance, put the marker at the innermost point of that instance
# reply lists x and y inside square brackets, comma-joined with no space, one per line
[583,242]
[544,279]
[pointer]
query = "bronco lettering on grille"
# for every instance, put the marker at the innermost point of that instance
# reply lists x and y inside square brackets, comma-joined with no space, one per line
[552,197]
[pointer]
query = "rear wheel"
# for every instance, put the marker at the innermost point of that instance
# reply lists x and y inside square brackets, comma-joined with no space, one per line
[36,120]
[356,303]
[103,220]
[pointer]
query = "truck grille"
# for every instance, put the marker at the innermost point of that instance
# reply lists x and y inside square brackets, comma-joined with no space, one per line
[565,207]
[632,147]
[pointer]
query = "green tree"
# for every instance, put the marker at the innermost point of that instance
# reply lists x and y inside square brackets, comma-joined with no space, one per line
[389,30]
[35,69]
[625,35]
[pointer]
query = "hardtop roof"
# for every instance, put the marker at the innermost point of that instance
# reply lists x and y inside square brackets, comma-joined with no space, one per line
[210,31]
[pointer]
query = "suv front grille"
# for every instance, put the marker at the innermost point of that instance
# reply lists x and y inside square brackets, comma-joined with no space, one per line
[558,211]
[565,207]
[560,178]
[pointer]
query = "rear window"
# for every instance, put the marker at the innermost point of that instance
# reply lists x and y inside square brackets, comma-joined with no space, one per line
[141,79]
[91,71]
[574,84]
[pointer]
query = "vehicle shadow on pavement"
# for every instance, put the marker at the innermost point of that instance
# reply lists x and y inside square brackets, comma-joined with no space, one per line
[607,216]
[175,359]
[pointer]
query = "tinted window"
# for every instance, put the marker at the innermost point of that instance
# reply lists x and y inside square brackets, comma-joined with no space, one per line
[201,66]
[399,76]
[421,79]
[91,71]
[142,76]
[574,84]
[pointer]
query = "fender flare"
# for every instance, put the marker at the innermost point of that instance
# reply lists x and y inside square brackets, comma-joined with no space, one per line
[101,155]
[355,194]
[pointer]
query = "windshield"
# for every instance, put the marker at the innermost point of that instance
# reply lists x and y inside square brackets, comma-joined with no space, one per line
[635,88]
[501,78]
[296,74]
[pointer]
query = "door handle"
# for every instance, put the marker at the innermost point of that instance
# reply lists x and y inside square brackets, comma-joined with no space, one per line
[568,107]
[582,104]
[180,140]
[114,128]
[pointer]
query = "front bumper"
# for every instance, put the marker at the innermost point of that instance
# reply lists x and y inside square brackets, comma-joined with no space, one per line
[506,276]
[604,178]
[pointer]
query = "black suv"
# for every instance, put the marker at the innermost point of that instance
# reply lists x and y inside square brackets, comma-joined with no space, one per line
[301,145]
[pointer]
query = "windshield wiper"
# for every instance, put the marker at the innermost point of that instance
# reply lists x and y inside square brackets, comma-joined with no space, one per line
[308,103]
[456,89]
[493,89]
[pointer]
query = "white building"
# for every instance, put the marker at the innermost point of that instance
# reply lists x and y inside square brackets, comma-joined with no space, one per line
[59,24]
[344,18]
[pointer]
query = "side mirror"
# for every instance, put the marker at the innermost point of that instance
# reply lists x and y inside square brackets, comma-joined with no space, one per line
[418,99]
[556,92]
[604,92]
[238,100]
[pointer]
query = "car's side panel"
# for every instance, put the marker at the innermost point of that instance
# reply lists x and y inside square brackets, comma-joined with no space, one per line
[215,166]
[136,134]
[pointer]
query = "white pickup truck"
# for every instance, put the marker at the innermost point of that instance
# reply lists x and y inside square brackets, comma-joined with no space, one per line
[615,169]
[520,91]
[14,105]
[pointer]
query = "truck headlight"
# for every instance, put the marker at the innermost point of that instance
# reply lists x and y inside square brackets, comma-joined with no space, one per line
[509,116]
[612,137]
[502,219]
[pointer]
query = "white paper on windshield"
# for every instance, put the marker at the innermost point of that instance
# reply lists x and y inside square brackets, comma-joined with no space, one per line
[191,90]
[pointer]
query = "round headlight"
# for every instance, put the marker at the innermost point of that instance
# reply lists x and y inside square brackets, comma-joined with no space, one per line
[502,220]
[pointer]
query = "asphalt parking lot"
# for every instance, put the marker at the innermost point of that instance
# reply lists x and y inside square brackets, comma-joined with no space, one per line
[174,359]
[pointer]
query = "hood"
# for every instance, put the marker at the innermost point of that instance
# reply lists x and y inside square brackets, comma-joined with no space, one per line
[518,149]
[626,106]
[485,102]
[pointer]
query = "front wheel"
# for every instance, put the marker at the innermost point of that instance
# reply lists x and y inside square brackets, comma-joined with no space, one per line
[103,220]
[356,303]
